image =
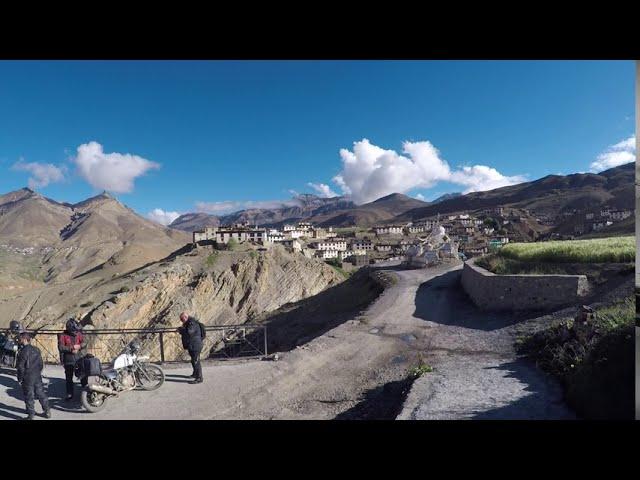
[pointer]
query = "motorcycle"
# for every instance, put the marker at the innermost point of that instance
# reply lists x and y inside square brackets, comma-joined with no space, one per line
[8,351]
[129,372]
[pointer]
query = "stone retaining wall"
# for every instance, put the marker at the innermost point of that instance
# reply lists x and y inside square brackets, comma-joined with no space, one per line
[522,292]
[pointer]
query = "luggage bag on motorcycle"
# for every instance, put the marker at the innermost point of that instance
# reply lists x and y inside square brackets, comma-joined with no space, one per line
[88,366]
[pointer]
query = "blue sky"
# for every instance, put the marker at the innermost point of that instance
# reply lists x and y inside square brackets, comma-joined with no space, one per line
[239,132]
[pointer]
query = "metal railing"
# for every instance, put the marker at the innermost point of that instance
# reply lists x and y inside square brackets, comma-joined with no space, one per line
[161,344]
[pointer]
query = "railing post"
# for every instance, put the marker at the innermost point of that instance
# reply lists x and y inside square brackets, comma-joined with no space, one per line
[161,347]
[265,341]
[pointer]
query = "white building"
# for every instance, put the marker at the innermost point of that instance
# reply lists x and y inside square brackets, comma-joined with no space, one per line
[334,245]
[389,229]
[327,254]
[364,245]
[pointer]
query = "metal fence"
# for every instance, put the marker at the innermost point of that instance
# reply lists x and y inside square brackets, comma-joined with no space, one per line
[161,344]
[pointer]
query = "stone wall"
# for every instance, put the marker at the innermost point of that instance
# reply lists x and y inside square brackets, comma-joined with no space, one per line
[522,292]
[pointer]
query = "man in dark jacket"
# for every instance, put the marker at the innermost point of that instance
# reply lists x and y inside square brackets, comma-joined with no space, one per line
[29,365]
[192,342]
[72,346]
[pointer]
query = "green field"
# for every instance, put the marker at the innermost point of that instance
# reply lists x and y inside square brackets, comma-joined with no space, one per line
[597,250]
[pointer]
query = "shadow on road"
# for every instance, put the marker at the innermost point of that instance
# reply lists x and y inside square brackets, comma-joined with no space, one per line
[383,402]
[177,378]
[544,400]
[442,300]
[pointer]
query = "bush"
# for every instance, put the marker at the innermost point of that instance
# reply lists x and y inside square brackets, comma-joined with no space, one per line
[420,370]
[211,259]
[232,244]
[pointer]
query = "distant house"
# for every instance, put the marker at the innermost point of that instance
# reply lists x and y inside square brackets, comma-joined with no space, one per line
[620,214]
[239,233]
[589,216]
[382,247]
[362,245]
[293,245]
[415,229]
[389,229]
[327,254]
[600,225]
[333,244]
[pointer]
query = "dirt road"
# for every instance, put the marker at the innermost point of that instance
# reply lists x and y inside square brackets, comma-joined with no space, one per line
[354,370]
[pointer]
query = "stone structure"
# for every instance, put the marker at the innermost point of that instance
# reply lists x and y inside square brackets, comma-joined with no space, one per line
[522,292]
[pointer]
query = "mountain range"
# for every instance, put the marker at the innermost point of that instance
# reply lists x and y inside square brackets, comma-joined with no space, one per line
[551,194]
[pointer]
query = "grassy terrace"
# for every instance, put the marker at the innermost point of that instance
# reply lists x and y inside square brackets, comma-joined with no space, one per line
[597,250]
[551,257]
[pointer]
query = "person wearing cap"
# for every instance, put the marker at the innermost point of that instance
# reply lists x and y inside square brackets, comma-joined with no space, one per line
[72,346]
[29,367]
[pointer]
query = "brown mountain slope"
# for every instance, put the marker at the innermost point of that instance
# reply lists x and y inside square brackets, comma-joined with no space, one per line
[27,219]
[61,241]
[554,193]
[103,232]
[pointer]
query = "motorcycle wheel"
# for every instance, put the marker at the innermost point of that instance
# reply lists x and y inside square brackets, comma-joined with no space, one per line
[156,377]
[93,401]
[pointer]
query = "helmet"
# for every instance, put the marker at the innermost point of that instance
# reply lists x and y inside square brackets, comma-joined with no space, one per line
[72,326]
[15,326]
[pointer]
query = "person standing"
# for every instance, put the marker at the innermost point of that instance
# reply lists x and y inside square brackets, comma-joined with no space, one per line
[191,333]
[29,367]
[72,346]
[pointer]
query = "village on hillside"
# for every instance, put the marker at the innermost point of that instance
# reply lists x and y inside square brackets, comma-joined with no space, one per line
[466,234]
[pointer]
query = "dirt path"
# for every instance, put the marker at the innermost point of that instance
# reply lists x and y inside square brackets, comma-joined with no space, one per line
[353,367]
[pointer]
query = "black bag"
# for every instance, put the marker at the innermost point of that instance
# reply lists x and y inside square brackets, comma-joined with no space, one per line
[203,330]
[87,366]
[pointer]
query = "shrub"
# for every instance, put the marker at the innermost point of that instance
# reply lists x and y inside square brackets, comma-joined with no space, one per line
[232,244]
[211,259]
[420,370]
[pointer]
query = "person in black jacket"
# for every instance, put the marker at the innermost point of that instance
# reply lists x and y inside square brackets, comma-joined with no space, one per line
[192,342]
[29,365]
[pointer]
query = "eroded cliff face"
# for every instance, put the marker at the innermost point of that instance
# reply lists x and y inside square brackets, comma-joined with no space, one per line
[237,288]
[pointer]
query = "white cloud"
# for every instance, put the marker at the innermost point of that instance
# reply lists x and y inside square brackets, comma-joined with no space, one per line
[618,154]
[420,197]
[323,189]
[230,206]
[480,177]
[115,172]
[370,172]
[162,217]
[42,174]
